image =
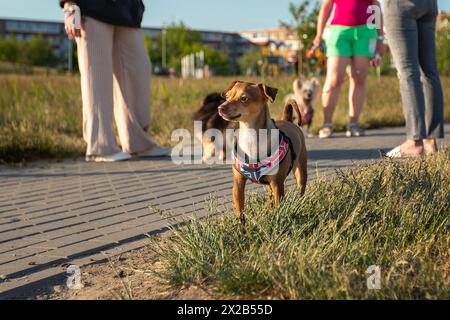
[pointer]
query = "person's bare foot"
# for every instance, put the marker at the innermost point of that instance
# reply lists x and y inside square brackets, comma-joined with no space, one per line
[410,148]
[430,146]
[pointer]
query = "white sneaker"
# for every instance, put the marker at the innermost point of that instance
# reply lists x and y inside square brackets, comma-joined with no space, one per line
[326,132]
[395,153]
[155,152]
[117,157]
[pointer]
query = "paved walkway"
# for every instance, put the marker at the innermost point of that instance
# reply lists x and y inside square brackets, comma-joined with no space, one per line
[53,215]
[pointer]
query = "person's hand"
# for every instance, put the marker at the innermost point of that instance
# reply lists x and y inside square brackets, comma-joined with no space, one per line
[72,20]
[379,53]
[316,42]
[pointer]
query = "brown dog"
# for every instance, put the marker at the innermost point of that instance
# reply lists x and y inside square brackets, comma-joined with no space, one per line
[208,114]
[247,104]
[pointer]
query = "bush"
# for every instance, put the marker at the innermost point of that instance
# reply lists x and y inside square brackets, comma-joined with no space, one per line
[443,47]
[34,52]
[250,62]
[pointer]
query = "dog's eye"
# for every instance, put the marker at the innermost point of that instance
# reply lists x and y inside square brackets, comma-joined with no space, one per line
[244,99]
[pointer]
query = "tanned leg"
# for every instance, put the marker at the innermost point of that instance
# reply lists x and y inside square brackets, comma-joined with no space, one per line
[357,92]
[332,88]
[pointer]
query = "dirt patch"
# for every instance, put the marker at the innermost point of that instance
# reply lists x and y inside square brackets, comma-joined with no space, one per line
[125,277]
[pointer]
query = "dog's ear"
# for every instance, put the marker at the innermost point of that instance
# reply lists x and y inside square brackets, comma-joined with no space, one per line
[269,92]
[298,84]
[224,94]
[315,82]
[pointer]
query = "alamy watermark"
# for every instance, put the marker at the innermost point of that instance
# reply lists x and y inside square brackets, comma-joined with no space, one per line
[375,20]
[214,146]
[74,278]
[374,278]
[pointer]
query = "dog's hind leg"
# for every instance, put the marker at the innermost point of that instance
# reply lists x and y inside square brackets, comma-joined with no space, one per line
[302,177]
[301,172]
[270,197]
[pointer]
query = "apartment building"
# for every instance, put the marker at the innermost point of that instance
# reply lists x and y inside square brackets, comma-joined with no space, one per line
[278,41]
[54,33]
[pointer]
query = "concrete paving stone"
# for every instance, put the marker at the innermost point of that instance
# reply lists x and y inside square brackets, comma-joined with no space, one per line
[119,219]
[137,233]
[133,207]
[101,212]
[5,206]
[69,240]
[15,235]
[16,225]
[43,231]
[80,249]
[63,231]
[18,244]
[113,230]
[93,203]
[39,209]
[19,254]
[10,215]
[24,201]
[105,196]
[7,288]
[26,266]
[43,215]
[133,194]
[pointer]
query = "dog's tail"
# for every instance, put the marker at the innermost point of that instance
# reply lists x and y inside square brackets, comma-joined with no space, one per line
[289,109]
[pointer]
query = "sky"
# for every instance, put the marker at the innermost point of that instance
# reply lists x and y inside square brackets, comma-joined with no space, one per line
[220,15]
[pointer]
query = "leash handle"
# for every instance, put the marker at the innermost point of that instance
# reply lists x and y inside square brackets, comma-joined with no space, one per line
[74,11]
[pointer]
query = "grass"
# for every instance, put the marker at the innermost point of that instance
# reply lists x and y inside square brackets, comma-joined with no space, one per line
[41,114]
[394,215]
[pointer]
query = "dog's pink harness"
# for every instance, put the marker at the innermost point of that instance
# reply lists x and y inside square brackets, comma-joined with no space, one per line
[257,171]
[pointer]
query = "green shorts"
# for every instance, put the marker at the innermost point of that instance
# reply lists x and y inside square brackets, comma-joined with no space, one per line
[342,41]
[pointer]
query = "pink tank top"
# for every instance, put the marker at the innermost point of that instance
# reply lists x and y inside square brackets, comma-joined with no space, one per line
[351,12]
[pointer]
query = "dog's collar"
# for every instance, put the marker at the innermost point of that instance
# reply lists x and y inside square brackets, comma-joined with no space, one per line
[257,171]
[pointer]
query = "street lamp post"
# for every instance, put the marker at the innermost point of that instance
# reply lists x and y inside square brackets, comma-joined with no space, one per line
[70,56]
[164,49]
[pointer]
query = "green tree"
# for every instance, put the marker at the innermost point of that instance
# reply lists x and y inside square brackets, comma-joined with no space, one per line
[9,50]
[443,51]
[35,52]
[217,61]
[304,16]
[181,41]
[251,60]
